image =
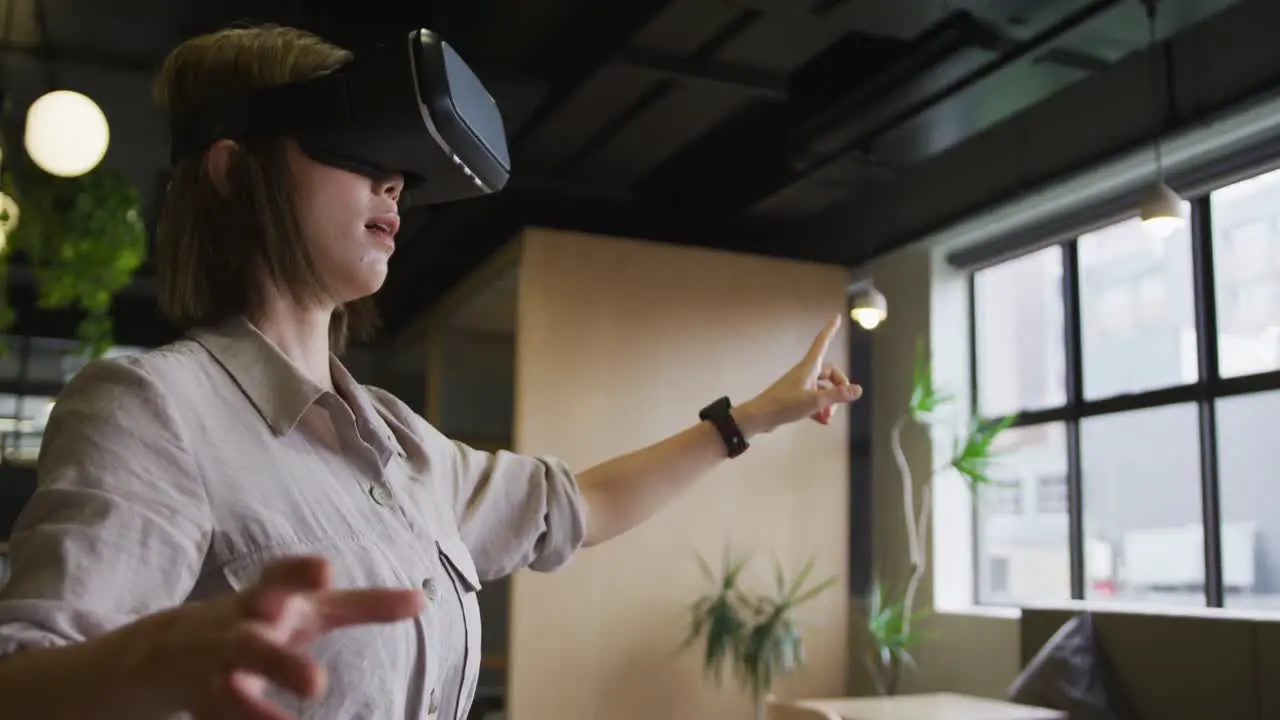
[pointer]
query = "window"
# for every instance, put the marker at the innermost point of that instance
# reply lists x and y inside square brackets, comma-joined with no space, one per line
[1051,495]
[1030,549]
[1144,374]
[32,372]
[1246,254]
[1136,310]
[1019,332]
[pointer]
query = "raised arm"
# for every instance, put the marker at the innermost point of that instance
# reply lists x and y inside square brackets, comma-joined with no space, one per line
[518,511]
[621,493]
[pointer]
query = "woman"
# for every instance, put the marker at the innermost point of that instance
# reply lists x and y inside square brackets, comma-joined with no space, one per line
[212,513]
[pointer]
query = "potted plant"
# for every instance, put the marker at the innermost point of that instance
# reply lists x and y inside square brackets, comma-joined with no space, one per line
[892,614]
[754,634]
[83,239]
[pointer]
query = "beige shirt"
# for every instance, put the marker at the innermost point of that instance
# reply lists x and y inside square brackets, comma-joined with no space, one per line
[177,474]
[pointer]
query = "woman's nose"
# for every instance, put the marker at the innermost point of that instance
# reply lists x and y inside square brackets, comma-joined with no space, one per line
[391,186]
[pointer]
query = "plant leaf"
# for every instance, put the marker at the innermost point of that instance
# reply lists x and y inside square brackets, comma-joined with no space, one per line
[926,398]
[973,456]
[83,238]
[814,591]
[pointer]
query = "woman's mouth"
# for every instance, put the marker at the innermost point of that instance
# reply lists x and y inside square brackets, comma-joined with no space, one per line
[384,230]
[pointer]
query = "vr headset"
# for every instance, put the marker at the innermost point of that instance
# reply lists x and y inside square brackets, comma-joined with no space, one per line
[414,108]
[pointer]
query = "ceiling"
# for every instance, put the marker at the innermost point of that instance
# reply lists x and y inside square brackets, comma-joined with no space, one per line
[710,122]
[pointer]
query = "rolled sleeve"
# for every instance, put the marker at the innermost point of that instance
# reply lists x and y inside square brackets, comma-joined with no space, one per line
[118,525]
[517,511]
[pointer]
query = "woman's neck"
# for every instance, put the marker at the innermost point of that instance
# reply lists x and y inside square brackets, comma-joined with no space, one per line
[302,334]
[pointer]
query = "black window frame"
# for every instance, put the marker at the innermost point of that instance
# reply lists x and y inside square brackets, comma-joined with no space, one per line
[1204,393]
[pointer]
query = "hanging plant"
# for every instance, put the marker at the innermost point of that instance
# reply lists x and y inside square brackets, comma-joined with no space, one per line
[83,239]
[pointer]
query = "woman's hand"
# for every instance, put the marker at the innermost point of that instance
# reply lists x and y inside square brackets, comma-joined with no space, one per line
[215,658]
[813,388]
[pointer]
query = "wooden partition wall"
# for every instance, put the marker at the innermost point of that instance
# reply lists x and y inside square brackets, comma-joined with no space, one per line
[618,344]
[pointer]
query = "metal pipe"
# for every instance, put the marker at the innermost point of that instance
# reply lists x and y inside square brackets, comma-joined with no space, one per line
[1036,42]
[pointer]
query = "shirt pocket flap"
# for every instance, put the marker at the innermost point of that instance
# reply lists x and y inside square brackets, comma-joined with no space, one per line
[456,557]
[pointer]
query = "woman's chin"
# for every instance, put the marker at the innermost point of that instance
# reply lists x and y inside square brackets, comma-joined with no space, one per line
[364,283]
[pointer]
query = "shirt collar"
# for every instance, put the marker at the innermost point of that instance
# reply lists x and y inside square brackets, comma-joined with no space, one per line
[278,389]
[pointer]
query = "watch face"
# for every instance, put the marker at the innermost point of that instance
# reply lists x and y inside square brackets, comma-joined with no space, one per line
[719,407]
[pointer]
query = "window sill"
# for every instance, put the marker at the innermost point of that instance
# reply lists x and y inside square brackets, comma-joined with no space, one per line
[997,612]
[1006,612]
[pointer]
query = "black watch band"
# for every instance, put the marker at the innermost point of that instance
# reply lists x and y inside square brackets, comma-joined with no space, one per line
[717,413]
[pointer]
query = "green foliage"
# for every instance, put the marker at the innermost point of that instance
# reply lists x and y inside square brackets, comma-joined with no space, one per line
[926,399]
[973,454]
[754,634]
[891,634]
[890,619]
[717,615]
[83,237]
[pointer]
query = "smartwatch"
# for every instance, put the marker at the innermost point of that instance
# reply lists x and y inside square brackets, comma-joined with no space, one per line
[719,415]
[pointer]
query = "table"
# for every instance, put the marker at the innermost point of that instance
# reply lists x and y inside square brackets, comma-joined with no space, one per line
[931,706]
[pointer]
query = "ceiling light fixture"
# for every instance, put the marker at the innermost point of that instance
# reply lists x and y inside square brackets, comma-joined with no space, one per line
[67,133]
[868,306]
[1161,209]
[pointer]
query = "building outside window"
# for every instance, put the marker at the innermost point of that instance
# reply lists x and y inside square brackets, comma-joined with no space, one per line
[1096,344]
[32,372]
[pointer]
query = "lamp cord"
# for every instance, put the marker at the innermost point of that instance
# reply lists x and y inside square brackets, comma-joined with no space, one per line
[1156,51]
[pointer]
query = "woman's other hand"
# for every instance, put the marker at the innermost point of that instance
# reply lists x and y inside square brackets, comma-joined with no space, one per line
[813,388]
[214,659]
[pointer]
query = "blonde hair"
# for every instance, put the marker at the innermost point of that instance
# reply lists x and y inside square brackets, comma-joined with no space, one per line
[215,249]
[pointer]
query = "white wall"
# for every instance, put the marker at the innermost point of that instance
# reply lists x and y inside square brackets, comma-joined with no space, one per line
[967,651]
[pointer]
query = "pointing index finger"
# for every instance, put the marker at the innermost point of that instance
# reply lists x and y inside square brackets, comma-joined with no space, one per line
[340,608]
[823,340]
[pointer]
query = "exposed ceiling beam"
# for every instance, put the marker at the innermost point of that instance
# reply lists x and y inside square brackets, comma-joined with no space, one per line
[589,42]
[714,179]
[1024,50]
[744,80]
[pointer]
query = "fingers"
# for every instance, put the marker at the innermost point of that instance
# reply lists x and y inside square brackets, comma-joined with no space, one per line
[838,395]
[818,349]
[833,375]
[302,574]
[247,702]
[254,651]
[281,580]
[355,607]
[831,380]
[827,399]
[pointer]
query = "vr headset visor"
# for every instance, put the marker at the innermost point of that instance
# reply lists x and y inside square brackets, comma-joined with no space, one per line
[413,108]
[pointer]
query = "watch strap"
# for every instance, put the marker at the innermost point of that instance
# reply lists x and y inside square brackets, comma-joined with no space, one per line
[719,414]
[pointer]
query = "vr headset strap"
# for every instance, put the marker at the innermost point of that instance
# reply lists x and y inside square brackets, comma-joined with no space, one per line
[308,106]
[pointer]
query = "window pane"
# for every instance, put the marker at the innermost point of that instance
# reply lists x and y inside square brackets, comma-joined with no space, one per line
[1137,310]
[1246,267]
[1249,503]
[1140,476]
[11,357]
[1018,326]
[53,360]
[1023,548]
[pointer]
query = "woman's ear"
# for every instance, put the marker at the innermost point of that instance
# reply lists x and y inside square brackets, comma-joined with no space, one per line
[217,161]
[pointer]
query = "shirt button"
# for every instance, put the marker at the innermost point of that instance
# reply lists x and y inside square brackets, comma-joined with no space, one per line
[433,591]
[434,703]
[381,495]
